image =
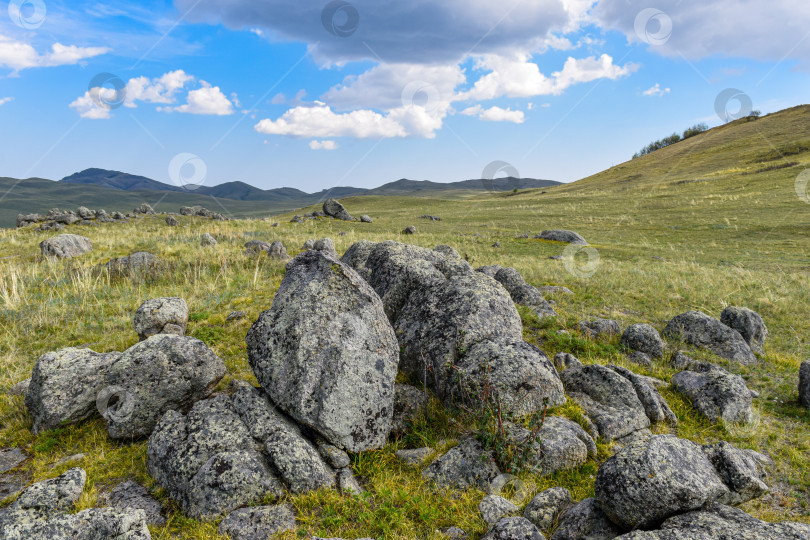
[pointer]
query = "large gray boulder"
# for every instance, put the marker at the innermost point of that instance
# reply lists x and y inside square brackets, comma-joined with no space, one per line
[58,494]
[748,323]
[560,444]
[327,354]
[161,316]
[65,246]
[723,522]
[226,452]
[131,390]
[700,330]
[464,466]
[455,324]
[333,208]
[130,494]
[585,521]
[656,478]
[258,522]
[804,383]
[715,393]
[610,400]
[643,338]
[494,507]
[544,509]
[521,292]
[514,528]
[562,235]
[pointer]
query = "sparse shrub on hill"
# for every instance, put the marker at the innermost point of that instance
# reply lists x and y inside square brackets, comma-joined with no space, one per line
[697,129]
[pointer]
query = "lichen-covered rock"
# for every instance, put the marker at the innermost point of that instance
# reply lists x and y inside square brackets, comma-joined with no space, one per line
[161,316]
[514,528]
[144,209]
[655,406]
[333,208]
[599,328]
[130,494]
[65,246]
[135,262]
[53,495]
[254,247]
[92,524]
[333,455]
[64,386]
[680,361]
[700,330]
[523,293]
[208,240]
[298,462]
[415,456]
[494,507]
[453,322]
[366,219]
[609,400]
[748,323]
[639,358]
[560,445]
[564,360]
[656,478]
[643,338]
[585,521]
[544,509]
[715,393]
[408,402]
[463,466]
[327,245]
[410,229]
[277,251]
[327,354]
[562,235]
[723,522]
[258,522]
[171,221]
[23,220]
[804,383]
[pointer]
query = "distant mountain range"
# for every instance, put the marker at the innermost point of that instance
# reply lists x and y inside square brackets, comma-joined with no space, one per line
[240,191]
[114,190]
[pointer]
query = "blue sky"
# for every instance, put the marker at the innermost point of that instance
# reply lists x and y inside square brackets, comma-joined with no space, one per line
[318,94]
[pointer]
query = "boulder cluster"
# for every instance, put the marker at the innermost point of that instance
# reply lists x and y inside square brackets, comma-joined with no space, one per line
[326,355]
[332,208]
[56,219]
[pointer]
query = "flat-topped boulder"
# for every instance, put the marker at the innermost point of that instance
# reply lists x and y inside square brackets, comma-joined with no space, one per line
[562,235]
[715,393]
[700,330]
[65,246]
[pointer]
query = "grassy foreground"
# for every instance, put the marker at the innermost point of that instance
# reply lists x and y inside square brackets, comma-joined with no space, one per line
[696,229]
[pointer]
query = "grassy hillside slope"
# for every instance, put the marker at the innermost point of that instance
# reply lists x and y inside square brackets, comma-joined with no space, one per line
[699,225]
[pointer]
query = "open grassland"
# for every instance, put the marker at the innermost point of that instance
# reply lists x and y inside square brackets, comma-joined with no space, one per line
[698,225]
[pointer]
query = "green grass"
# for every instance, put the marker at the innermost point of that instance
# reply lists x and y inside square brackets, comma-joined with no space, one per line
[691,226]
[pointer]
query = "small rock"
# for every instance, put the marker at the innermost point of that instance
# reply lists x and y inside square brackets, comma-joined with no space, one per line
[522,236]
[325,245]
[680,361]
[514,528]
[136,262]
[257,522]
[562,235]
[464,466]
[71,459]
[414,457]
[598,328]
[85,213]
[20,389]
[495,507]
[309,244]
[161,316]
[366,219]
[144,209]
[171,221]
[409,230]
[347,483]
[585,521]
[65,246]
[643,338]
[496,245]
[235,316]
[130,494]
[11,458]
[554,289]
[544,509]
[454,533]
[564,360]
[333,455]
[639,358]
[208,240]
[274,224]
[748,323]
[804,384]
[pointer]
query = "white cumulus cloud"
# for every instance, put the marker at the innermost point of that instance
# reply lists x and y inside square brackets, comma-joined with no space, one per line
[5,100]
[322,121]
[207,100]
[323,145]
[18,56]
[495,114]
[656,91]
